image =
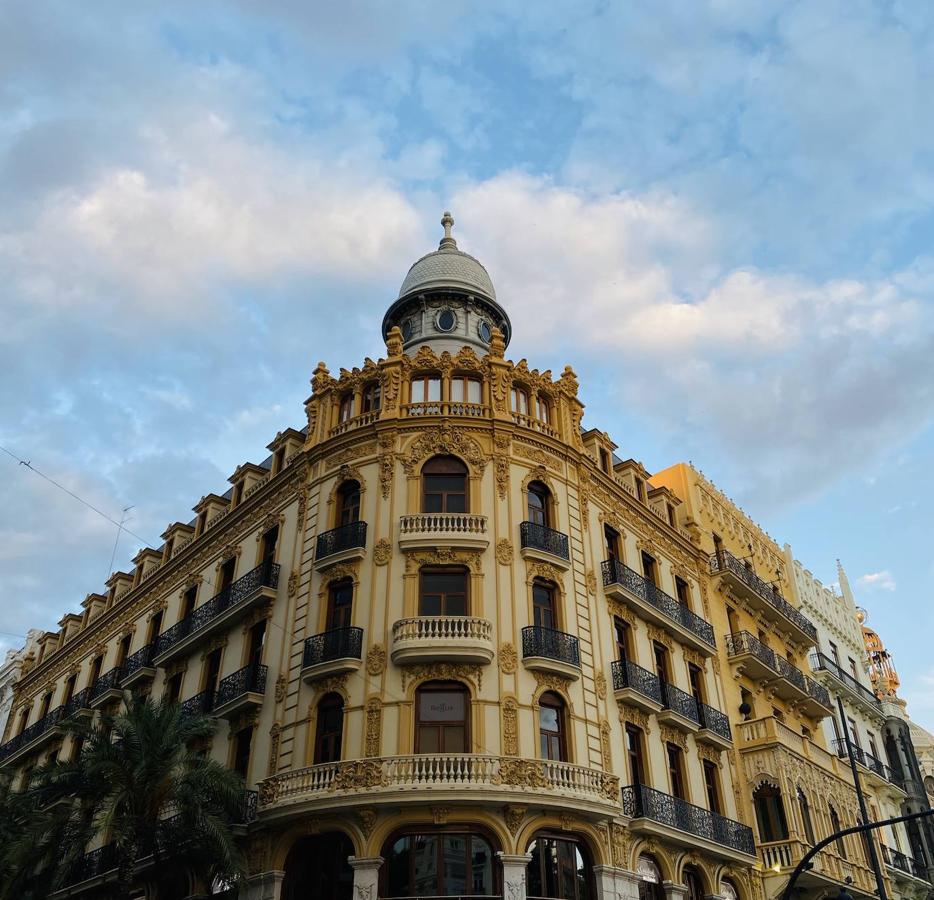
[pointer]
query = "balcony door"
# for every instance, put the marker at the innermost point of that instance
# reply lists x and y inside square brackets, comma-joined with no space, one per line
[443,718]
[340,605]
[443,592]
[551,727]
[635,753]
[348,503]
[539,497]
[543,605]
[444,486]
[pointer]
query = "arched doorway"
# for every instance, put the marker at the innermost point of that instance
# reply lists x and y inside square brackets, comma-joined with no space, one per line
[317,867]
[560,868]
[650,878]
[455,861]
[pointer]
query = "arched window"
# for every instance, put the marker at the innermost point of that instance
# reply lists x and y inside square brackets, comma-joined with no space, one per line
[835,826]
[770,813]
[329,730]
[694,884]
[317,867]
[539,502]
[551,727]
[442,718]
[650,878]
[443,592]
[805,810]
[346,407]
[544,607]
[728,890]
[560,867]
[340,604]
[348,503]
[542,409]
[929,785]
[438,864]
[444,485]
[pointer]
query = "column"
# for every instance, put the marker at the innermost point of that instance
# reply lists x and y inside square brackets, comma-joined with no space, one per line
[616,884]
[514,869]
[265,886]
[674,891]
[365,876]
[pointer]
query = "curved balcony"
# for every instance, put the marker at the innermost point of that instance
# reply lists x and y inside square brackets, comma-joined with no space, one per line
[242,690]
[671,818]
[742,581]
[438,778]
[423,639]
[465,531]
[636,686]
[547,650]
[340,544]
[544,544]
[629,587]
[332,653]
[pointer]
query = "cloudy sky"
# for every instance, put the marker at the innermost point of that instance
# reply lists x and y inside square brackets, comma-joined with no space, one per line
[719,213]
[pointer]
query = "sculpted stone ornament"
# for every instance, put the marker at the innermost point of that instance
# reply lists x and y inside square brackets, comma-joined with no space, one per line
[508,658]
[444,439]
[591,581]
[513,816]
[367,818]
[374,726]
[510,713]
[522,773]
[600,685]
[382,552]
[281,688]
[358,774]
[293,584]
[504,553]
[376,659]
[443,672]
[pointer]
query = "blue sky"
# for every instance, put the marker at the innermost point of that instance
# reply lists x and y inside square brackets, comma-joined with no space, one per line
[719,213]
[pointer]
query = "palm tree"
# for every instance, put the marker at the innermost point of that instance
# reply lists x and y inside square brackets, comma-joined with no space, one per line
[141,784]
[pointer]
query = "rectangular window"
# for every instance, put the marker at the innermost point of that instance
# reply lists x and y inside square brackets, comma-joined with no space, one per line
[854,731]
[155,626]
[640,489]
[46,703]
[123,650]
[69,689]
[661,661]
[270,539]
[278,461]
[611,540]
[834,652]
[671,514]
[696,677]
[853,671]
[683,591]
[346,407]
[621,629]
[465,390]
[95,670]
[212,670]
[442,592]
[372,397]
[635,754]
[426,389]
[227,573]
[242,743]
[712,785]
[173,688]
[605,462]
[675,770]
[520,401]
[543,411]
[188,602]
[649,568]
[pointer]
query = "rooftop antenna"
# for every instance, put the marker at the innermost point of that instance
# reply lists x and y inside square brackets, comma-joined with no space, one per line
[113,555]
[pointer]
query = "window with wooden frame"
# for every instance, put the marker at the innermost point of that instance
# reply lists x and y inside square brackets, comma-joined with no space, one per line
[444,485]
[605,461]
[189,599]
[340,604]
[611,542]
[228,569]
[348,503]
[675,759]
[243,743]
[346,409]
[268,547]
[649,568]
[372,397]
[466,389]
[683,590]
[623,633]
[712,785]
[552,739]
[442,723]
[539,504]
[542,409]
[426,388]
[696,679]
[544,604]
[635,753]
[329,729]
[520,400]
[443,591]
[770,813]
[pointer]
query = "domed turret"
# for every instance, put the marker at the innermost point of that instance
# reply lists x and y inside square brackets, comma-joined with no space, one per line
[447,300]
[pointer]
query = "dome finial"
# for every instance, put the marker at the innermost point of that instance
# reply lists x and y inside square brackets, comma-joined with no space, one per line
[447,242]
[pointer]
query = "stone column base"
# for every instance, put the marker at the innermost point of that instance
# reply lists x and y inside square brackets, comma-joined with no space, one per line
[365,876]
[616,884]
[514,874]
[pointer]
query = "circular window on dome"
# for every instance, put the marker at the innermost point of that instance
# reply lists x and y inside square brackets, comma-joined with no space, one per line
[446,320]
[406,329]
[485,332]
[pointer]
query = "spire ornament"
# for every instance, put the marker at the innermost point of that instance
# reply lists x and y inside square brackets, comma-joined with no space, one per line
[447,242]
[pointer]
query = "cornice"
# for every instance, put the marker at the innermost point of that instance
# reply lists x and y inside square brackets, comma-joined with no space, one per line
[288,480]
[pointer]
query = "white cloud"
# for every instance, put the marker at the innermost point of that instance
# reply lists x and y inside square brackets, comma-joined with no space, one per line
[877,581]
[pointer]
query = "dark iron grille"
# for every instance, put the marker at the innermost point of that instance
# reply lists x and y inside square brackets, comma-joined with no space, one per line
[248,680]
[900,861]
[818,692]
[199,705]
[540,537]
[49,720]
[249,806]
[724,561]
[616,572]
[864,758]
[819,661]
[790,673]
[264,575]
[344,538]
[76,704]
[627,674]
[744,642]
[640,801]
[679,701]
[93,864]
[550,644]
[142,659]
[107,681]
[715,721]
[338,643]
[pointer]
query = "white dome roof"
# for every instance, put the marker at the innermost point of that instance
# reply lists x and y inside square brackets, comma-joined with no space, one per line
[448,267]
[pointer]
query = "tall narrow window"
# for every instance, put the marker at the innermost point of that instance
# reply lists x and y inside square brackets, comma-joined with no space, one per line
[696,677]
[465,389]
[427,389]
[340,604]
[835,826]
[123,650]
[188,602]
[712,785]
[805,810]
[444,485]
[212,670]
[611,542]
[173,687]
[542,409]
[640,489]
[442,592]
[442,718]
[227,574]
[770,813]
[605,461]
[683,591]
[257,638]
[23,720]
[732,620]
[543,604]
[345,413]
[834,652]
[95,670]
[649,568]
[329,729]
[372,397]
[348,503]
[268,548]
[243,740]
[623,637]
[661,660]
[44,706]
[675,770]
[520,401]
[70,689]
[539,497]
[635,754]
[552,743]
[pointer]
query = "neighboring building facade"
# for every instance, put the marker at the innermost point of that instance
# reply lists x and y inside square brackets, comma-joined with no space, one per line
[840,664]
[16,662]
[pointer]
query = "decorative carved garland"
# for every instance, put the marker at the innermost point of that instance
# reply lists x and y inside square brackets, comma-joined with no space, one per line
[508,658]
[444,439]
[382,552]
[444,556]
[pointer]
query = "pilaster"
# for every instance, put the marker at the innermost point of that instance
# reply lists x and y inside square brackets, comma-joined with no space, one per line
[365,876]
[674,891]
[265,886]
[514,874]
[616,884]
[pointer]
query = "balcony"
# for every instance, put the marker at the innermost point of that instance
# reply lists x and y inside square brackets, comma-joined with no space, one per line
[547,650]
[340,544]
[879,773]
[106,688]
[714,727]
[446,408]
[637,686]
[415,780]
[827,874]
[740,580]
[544,544]
[629,587]
[671,818]
[35,736]
[679,709]
[240,691]
[762,664]
[200,705]
[139,666]
[218,614]
[901,866]
[332,652]
[836,679]
[424,639]
[461,531]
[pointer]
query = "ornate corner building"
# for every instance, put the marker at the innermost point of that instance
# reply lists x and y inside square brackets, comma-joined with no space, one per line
[459,648]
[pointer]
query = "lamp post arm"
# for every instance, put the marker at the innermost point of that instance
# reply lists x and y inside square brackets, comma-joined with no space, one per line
[856,829]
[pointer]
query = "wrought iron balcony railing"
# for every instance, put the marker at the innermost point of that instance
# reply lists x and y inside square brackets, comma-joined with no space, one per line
[338,643]
[679,701]
[640,801]
[825,663]
[108,681]
[200,705]
[627,674]
[742,642]
[345,537]
[715,721]
[250,679]
[818,692]
[264,575]
[616,572]
[550,644]
[142,659]
[541,537]
[903,863]
[865,759]
[724,561]
[48,721]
